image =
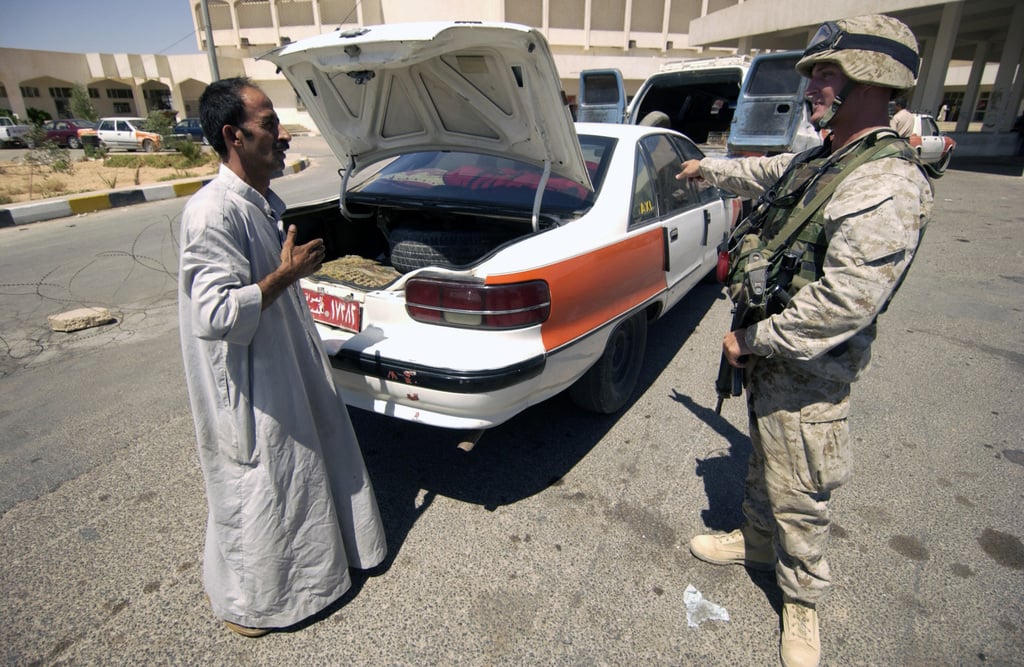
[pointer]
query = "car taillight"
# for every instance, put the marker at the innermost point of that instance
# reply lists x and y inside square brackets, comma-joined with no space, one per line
[477,306]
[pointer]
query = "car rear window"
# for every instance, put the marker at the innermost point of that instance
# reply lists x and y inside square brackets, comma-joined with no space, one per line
[470,178]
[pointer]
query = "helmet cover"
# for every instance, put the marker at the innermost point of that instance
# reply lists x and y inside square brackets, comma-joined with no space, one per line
[877,50]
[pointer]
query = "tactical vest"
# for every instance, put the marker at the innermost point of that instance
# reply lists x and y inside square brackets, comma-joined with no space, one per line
[798,256]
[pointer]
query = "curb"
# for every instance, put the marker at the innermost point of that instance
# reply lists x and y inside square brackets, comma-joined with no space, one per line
[89,202]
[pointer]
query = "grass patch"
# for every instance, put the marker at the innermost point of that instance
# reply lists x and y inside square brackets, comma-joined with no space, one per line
[161,161]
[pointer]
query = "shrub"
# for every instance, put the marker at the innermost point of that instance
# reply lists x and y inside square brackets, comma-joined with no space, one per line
[95,152]
[38,116]
[50,154]
[53,185]
[81,105]
[159,122]
[192,152]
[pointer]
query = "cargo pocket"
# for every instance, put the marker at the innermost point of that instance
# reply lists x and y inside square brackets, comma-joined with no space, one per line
[826,435]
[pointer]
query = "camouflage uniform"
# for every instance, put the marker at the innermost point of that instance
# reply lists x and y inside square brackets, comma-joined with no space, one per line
[798,382]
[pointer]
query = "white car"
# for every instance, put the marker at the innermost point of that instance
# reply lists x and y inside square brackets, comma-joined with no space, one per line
[933,147]
[488,256]
[122,133]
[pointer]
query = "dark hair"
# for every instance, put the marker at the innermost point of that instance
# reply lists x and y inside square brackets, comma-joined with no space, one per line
[221,104]
[900,101]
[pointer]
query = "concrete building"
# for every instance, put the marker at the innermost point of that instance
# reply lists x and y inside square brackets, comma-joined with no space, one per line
[972,50]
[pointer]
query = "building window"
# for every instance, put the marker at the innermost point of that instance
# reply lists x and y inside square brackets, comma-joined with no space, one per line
[3,91]
[29,91]
[122,107]
[119,94]
[60,93]
[94,93]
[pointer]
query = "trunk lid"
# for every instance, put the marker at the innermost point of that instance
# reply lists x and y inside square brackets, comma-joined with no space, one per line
[379,91]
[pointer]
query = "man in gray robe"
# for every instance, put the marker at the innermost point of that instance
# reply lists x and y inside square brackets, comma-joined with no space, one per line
[291,504]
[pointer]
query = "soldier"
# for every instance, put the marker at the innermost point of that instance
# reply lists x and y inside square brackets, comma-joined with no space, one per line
[839,269]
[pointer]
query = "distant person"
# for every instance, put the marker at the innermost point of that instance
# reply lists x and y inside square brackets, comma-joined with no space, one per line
[291,505]
[944,112]
[837,227]
[902,120]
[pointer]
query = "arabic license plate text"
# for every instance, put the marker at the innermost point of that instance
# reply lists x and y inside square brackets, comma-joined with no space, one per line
[332,310]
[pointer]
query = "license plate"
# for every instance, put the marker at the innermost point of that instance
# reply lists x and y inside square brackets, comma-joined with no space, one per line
[332,310]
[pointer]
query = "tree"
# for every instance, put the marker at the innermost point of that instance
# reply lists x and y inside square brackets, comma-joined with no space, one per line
[81,105]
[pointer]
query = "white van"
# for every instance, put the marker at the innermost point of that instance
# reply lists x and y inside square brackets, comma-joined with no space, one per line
[696,97]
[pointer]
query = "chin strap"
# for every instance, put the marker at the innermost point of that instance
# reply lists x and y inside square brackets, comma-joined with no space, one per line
[825,120]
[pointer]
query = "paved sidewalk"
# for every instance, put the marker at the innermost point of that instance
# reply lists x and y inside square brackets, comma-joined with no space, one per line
[87,202]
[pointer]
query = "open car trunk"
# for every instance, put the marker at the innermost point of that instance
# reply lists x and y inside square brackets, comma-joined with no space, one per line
[376,248]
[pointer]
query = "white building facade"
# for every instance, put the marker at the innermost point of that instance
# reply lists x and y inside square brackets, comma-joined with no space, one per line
[972,49]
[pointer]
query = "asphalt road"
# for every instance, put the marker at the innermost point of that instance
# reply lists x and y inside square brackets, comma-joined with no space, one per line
[561,538]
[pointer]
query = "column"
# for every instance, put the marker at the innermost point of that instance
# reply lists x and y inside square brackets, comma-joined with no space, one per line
[938,63]
[275,22]
[927,47]
[233,6]
[627,23]
[998,114]
[973,85]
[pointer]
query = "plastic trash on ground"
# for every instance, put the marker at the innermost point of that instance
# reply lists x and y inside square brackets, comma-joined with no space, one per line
[699,610]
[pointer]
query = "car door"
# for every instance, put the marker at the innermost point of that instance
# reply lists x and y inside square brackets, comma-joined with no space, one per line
[680,208]
[107,132]
[931,140]
[126,135]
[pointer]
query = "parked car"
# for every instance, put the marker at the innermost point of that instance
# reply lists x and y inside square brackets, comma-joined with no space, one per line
[189,128]
[934,147]
[122,133]
[11,133]
[485,253]
[64,131]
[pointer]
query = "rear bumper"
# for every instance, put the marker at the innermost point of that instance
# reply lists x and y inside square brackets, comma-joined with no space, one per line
[439,379]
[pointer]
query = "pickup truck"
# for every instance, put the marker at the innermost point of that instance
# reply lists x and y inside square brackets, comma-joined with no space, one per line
[11,133]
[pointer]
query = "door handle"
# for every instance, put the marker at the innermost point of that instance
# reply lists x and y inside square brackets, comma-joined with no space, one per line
[673,234]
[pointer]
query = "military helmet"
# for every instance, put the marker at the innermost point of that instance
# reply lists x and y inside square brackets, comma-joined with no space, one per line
[877,50]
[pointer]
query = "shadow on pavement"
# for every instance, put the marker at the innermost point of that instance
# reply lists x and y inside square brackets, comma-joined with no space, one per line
[412,464]
[1003,165]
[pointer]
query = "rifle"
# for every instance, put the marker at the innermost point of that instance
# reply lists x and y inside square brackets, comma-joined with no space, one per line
[758,291]
[752,297]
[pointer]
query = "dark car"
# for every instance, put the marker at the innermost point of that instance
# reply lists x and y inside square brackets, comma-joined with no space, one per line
[64,131]
[191,129]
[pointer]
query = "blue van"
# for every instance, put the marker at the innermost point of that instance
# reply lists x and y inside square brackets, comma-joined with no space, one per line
[771,116]
[602,97]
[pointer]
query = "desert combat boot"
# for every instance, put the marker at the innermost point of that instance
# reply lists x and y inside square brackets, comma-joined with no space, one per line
[801,642]
[744,546]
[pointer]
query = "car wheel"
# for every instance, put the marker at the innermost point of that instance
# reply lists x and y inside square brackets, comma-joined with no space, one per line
[30,143]
[148,146]
[413,248]
[610,382]
[73,142]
